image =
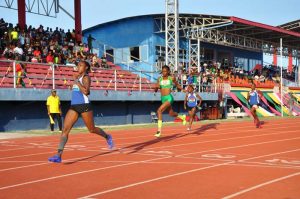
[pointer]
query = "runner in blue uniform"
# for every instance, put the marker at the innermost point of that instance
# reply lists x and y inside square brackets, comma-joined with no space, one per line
[80,105]
[191,103]
[253,98]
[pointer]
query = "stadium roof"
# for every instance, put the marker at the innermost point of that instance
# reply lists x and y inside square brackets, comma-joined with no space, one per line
[266,34]
[293,26]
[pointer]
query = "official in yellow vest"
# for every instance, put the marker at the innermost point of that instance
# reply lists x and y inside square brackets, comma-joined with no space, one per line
[54,110]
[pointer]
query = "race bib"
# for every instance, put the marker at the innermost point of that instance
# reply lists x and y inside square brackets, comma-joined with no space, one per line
[165,82]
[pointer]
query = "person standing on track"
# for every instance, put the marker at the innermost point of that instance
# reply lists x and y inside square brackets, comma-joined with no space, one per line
[54,110]
[253,98]
[190,103]
[165,84]
[80,105]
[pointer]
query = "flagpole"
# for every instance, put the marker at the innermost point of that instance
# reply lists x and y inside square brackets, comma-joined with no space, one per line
[281,49]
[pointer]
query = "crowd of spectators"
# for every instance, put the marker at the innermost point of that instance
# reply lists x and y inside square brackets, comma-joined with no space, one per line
[44,45]
[212,73]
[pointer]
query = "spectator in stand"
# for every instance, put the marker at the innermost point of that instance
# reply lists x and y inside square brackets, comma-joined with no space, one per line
[29,53]
[27,39]
[81,50]
[184,77]
[190,79]
[14,35]
[21,73]
[8,52]
[73,35]
[104,61]
[71,45]
[90,43]
[45,52]
[95,63]
[18,51]
[204,83]
[3,29]
[68,35]
[57,57]
[22,39]
[36,55]
[63,35]
[50,58]
[9,30]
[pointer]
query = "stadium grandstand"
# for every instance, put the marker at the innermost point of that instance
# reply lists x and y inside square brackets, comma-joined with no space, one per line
[220,55]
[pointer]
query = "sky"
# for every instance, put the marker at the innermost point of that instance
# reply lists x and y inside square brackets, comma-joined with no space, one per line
[94,12]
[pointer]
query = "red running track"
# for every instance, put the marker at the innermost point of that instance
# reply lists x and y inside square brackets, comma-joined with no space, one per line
[216,160]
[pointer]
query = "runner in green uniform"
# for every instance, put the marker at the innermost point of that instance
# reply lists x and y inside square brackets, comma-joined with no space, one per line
[165,84]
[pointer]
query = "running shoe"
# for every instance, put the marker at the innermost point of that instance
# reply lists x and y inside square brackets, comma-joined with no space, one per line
[110,142]
[158,134]
[55,159]
[188,129]
[258,125]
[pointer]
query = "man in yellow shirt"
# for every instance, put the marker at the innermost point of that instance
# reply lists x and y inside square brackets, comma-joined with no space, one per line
[14,35]
[54,110]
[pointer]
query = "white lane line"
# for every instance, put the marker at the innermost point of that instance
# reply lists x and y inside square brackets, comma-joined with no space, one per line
[15,149]
[182,156]
[172,129]
[197,152]
[208,141]
[77,173]
[19,156]
[239,146]
[280,126]
[172,175]
[261,185]
[22,167]
[190,143]
[148,181]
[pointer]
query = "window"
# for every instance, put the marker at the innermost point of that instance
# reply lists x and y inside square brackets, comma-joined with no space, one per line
[241,62]
[253,62]
[134,53]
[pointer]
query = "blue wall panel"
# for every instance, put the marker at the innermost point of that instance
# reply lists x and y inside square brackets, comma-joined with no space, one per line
[18,115]
[124,33]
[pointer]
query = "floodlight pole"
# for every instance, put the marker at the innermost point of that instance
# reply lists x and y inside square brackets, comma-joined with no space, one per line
[171,33]
[281,85]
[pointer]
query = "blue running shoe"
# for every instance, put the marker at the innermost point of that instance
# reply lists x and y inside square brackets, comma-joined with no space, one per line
[55,159]
[110,142]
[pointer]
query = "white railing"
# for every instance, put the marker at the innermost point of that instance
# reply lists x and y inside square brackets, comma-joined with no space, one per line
[110,79]
[114,77]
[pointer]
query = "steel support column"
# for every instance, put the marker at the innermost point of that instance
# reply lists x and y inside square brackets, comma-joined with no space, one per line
[171,34]
[21,14]
[78,28]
